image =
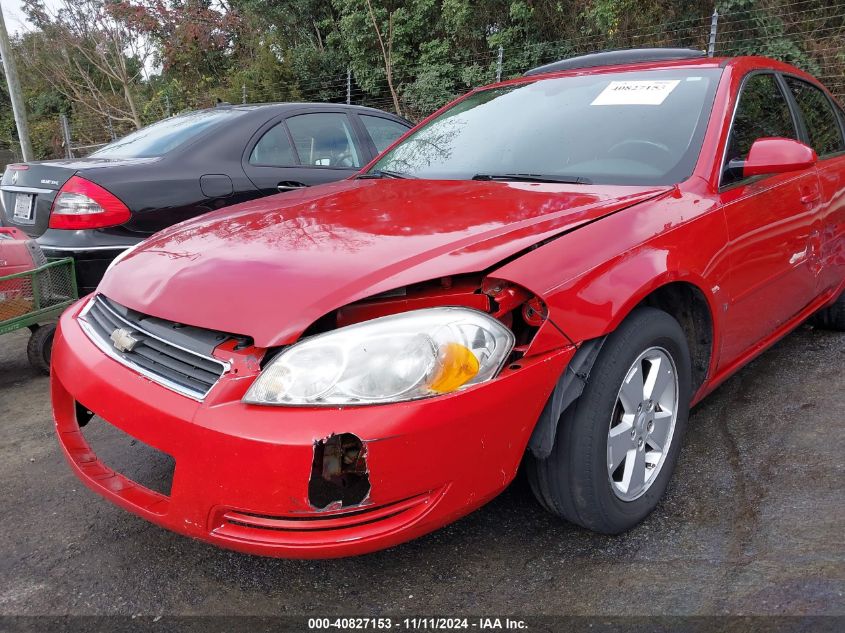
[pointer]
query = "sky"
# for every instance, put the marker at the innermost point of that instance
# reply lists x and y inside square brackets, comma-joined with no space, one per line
[15,19]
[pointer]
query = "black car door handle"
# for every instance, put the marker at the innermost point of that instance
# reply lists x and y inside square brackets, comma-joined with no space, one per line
[287,186]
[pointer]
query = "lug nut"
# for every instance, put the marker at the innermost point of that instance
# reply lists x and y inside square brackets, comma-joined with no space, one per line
[650,427]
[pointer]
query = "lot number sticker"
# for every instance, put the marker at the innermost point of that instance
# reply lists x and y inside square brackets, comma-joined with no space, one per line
[636,92]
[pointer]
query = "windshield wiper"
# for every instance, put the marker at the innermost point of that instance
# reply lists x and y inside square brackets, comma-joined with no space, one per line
[383,173]
[566,180]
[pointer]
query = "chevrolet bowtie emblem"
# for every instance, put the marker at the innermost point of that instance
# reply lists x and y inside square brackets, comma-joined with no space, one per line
[123,340]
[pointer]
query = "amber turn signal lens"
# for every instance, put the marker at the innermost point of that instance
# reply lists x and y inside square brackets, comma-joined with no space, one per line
[458,366]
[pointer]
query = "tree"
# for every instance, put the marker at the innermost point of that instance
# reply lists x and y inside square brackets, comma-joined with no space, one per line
[96,60]
[133,61]
[386,52]
[192,39]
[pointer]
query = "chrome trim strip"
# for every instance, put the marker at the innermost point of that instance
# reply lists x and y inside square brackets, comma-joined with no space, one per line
[81,249]
[17,189]
[134,326]
[161,380]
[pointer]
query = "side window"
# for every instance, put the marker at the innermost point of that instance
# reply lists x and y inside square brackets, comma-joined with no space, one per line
[324,139]
[273,149]
[819,117]
[382,131]
[762,112]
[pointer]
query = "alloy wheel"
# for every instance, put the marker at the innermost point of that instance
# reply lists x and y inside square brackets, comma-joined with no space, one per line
[642,424]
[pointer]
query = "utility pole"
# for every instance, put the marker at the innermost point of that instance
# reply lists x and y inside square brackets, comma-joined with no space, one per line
[66,134]
[14,90]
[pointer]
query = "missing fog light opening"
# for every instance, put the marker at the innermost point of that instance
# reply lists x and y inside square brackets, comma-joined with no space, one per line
[339,472]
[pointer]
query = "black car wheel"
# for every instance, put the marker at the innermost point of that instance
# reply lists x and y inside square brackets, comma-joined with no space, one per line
[617,445]
[39,350]
[833,317]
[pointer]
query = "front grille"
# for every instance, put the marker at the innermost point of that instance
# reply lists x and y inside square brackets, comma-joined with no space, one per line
[174,355]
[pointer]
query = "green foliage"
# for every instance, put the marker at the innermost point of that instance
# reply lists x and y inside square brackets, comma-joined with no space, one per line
[763,32]
[432,50]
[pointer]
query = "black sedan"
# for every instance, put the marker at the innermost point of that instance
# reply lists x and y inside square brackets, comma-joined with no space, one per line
[94,208]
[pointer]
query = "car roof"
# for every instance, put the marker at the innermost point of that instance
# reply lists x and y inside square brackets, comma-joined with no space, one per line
[743,63]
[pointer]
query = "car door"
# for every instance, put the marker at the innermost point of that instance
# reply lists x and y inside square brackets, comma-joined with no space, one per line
[769,221]
[824,133]
[304,149]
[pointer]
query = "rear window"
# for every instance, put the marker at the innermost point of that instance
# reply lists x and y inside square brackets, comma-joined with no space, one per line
[274,149]
[382,131]
[160,138]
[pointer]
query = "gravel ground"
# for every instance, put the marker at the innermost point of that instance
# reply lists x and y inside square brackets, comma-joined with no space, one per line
[752,524]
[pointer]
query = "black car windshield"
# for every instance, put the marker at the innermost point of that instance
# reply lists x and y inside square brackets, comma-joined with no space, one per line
[160,138]
[631,128]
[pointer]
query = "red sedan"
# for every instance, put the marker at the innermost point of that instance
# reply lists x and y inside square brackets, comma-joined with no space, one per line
[548,272]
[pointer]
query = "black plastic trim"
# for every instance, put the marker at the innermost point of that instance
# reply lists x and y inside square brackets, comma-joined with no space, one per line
[616,57]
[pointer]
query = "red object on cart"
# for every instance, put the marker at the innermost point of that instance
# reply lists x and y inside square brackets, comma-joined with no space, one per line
[18,252]
[33,292]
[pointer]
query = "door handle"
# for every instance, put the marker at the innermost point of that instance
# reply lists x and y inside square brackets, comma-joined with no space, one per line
[288,186]
[810,195]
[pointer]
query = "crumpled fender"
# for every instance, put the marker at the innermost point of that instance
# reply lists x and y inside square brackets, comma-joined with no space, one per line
[569,387]
[593,277]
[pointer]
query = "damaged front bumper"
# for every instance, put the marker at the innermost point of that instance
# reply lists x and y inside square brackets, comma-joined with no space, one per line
[299,482]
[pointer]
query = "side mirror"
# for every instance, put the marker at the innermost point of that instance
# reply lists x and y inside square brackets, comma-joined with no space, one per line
[776,155]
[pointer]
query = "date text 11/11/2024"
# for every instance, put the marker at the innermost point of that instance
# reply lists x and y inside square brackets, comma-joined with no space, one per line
[417,624]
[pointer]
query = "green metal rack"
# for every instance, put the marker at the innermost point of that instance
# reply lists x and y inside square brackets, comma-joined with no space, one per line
[34,299]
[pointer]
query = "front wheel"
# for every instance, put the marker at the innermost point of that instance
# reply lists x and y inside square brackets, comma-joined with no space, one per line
[832,317]
[617,445]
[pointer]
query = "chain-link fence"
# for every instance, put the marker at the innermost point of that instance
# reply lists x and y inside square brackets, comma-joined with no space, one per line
[808,34]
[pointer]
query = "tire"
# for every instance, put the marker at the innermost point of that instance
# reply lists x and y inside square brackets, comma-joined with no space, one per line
[578,481]
[832,317]
[40,347]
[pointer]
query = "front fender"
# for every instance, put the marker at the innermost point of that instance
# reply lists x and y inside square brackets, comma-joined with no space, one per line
[592,278]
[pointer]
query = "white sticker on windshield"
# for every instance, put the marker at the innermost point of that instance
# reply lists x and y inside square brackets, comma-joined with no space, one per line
[636,92]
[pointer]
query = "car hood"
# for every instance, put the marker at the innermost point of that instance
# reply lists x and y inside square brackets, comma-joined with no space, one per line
[271,267]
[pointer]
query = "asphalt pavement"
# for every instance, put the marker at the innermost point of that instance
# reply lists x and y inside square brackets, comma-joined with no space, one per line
[753,524]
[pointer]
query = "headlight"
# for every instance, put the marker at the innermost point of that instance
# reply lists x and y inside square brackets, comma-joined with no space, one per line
[391,359]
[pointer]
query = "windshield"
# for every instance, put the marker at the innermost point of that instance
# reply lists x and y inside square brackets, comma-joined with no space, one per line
[162,137]
[635,128]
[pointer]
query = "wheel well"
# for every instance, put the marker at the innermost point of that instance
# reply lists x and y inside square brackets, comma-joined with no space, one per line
[688,305]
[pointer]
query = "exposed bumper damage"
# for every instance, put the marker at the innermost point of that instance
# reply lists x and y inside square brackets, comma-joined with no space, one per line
[311,482]
[339,476]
